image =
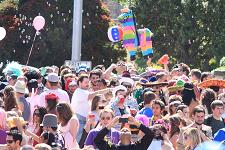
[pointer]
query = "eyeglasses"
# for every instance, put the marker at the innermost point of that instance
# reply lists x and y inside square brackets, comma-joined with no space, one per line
[9,141]
[105,118]
[37,114]
[120,64]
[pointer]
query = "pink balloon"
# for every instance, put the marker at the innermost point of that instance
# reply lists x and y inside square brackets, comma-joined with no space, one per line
[39,22]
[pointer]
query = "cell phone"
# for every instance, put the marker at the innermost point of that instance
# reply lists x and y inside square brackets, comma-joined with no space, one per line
[123,120]
[133,126]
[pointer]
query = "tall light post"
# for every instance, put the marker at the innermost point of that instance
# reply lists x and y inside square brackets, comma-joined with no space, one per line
[77,30]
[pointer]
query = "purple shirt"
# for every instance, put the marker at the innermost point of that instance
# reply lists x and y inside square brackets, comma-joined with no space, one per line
[113,136]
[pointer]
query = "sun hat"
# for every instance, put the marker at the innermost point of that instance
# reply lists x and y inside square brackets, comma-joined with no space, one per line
[49,120]
[52,77]
[117,88]
[20,87]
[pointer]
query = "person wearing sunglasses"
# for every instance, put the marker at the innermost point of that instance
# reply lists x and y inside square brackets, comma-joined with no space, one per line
[130,101]
[14,140]
[113,136]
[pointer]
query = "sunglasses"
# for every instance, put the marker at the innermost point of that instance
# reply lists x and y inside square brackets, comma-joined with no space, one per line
[120,64]
[105,118]
[127,86]
[9,141]
[37,114]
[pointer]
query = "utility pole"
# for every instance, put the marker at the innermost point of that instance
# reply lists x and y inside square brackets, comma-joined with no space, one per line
[77,30]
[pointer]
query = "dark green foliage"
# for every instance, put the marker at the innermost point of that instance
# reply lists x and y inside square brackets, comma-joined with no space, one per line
[54,44]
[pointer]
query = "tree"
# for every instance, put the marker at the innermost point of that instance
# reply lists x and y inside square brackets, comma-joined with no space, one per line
[54,44]
[189,31]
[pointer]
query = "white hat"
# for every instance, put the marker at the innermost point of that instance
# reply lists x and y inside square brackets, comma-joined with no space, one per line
[20,87]
[52,77]
[117,88]
[127,80]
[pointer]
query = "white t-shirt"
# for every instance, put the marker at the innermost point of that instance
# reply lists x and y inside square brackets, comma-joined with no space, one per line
[34,103]
[63,96]
[155,144]
[80,103]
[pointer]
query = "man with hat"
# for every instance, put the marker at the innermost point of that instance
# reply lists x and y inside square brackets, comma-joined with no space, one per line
[24,105]
[131,102]
[52,83]
[49,124]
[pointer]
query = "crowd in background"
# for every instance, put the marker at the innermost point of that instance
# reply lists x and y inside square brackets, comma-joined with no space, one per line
[111,108]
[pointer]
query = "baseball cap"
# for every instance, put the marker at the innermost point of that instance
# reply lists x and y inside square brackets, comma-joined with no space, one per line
[52,77]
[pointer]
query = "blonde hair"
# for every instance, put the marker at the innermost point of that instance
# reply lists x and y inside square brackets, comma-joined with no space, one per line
[194,136]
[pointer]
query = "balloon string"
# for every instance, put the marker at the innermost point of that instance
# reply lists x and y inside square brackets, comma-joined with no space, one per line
[31,49]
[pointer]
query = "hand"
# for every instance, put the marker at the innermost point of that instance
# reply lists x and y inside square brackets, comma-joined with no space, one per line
[113,122]
[133,121]
[113,66]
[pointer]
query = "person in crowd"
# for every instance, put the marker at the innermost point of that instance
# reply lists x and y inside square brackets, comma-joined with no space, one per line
[43,146]
[14,139]
[51,101]
[161,140]
[162,77]
[206,76]
[49,124]
[198,116]
[24,105]
[68,124]
[12,79]
[10,102]
[120,67]
[206,98]
[81,98]
[52,83]
[125,137]
[183,112]
[195,75]
[47,138]
[215,121]
[157,107]
[118,102]
[148,98]
[97,105]
[174,130]
[184,68]
[3,127]
[101,84]
[189,97]
[130,101]
[33,97]
[72,86]
[94,76]
[222,98]
[38,116]
[173,107]
[192,138]
[113,136]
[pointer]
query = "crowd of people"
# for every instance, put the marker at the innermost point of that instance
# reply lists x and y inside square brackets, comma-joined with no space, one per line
[115,108]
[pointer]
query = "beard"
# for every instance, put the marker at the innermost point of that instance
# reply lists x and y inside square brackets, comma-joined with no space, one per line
[198,123]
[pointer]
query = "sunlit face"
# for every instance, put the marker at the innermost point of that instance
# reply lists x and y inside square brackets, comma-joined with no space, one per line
[11,144]
[94,79]
[187,140]
[84,84]
[156,110]
[218,111]
[36,116]
[186,112]
[105,118]
[199,118]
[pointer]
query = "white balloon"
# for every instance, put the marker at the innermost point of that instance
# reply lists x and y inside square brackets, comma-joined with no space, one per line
[2,33]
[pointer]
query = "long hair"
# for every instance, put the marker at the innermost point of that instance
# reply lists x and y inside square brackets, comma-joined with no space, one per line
[194,136]
[65,112]
[188,93]
[207,97]
[3,117]
[42,112]
[10,98]
[174,122]
[94,103]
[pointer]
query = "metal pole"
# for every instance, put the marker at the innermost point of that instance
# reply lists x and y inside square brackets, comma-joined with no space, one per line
[77,30]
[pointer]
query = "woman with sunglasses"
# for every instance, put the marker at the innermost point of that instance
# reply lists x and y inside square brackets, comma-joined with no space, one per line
[37,120]
[106,117]
[68,124]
